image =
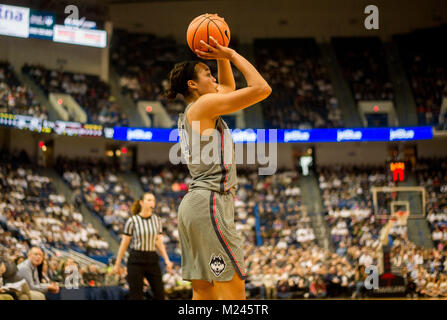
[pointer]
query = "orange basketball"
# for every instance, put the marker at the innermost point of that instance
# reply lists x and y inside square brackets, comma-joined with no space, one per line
[204,26]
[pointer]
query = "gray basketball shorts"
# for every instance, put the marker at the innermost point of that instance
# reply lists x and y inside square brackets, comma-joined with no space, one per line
[211,248]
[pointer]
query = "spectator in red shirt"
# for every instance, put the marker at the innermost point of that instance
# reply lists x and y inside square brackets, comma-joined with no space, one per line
[317,288]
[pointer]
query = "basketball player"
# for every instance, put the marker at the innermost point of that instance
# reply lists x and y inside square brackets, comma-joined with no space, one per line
[212,254]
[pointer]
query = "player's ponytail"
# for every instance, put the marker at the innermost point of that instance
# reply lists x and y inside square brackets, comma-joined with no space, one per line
[178,79]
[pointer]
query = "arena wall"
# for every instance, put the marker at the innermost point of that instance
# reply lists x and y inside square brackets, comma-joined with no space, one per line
[433,148]
[159,153]
[73,147]
[153,153]
[23,140]
[351,153]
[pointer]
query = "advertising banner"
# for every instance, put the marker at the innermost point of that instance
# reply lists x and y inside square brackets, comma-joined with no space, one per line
[41,24]
[14,21]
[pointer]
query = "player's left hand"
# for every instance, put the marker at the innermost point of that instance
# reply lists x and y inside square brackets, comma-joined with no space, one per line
[215,51]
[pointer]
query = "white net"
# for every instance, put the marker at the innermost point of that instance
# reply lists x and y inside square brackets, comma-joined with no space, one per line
[402,217]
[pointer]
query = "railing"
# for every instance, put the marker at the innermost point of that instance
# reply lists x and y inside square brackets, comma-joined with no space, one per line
[258,226]
[79,258]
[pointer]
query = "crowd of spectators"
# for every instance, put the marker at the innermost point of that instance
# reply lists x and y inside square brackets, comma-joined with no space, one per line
[33,214]
[168,184]
[283,220]
[303,96]
[290,273]
[287,263]
[432,174]
[347,202]
[16,98]
[52,271]
[99,185]
[293,67]
[277,200]
[284,268]
[143,62]
[364,66]
[31,209]
[427,73]
[89,91]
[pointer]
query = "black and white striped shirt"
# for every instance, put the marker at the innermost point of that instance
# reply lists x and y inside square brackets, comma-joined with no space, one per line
[144,232]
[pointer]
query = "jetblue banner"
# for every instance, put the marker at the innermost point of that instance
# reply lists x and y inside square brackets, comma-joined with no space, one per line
[145,134]
[357,134]
[239,135]
[286,136]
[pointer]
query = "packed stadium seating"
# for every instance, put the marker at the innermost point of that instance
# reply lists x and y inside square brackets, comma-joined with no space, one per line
[289,263]
[98,185]
[32,210]
[432,175]
[143,62]
[364,67]
[426,72]
[32,213]
[300,83]
[16,98]
[296,272]
[348,203]
[169,185]
[285,267]
[276,199]
[92,94]
[354,228]
[305,92]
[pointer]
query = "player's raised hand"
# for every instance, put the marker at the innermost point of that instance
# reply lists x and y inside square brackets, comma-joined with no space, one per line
[216,51]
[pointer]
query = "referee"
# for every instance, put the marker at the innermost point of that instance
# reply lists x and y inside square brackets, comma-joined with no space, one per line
[143,232]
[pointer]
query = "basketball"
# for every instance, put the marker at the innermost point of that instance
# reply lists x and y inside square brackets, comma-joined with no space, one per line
[204,26]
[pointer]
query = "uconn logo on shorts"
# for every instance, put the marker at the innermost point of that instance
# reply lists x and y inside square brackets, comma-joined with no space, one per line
[217,264]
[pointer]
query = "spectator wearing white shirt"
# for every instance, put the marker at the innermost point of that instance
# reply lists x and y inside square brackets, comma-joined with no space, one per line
[437,236]
[365,259]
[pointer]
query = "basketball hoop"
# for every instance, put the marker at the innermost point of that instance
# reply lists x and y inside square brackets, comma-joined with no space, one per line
[402,217]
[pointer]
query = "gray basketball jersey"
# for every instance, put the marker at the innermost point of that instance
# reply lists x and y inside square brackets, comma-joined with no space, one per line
[210,158]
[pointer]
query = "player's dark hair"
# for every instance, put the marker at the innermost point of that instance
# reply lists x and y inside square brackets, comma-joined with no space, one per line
[178,78]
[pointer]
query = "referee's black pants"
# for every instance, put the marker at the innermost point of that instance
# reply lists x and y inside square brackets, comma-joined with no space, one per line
[143,264]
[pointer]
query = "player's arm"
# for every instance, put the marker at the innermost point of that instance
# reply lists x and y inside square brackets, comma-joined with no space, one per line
[225,76]
[216,104]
